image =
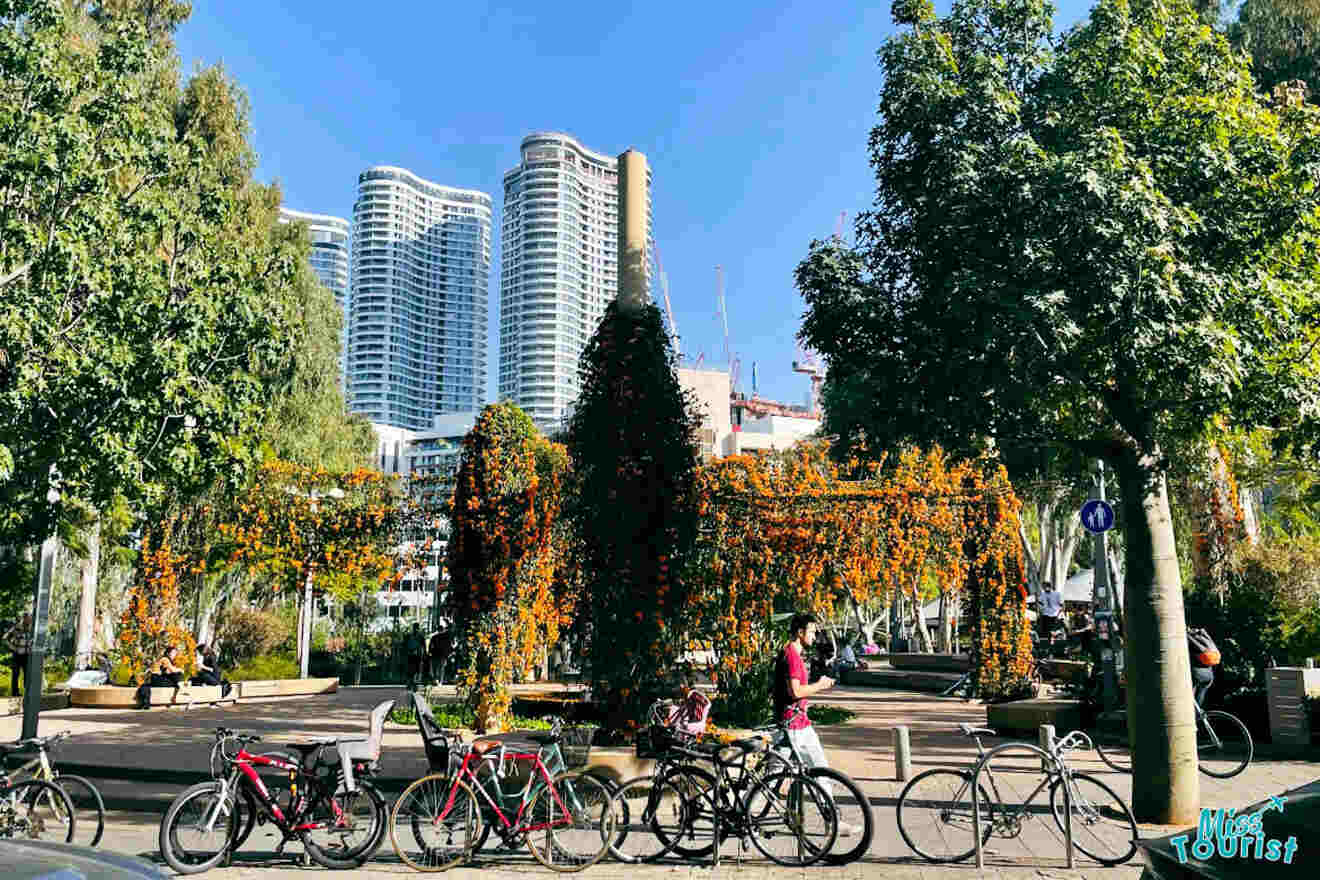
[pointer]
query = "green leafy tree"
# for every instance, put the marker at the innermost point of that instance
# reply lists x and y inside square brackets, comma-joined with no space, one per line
[1283,41]
[1101,241]
[632,441]
[145,321]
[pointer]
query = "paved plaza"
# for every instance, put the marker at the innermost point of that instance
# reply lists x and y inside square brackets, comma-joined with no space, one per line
[170,744]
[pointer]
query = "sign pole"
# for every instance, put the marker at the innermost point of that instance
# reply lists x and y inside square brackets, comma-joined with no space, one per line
[1103,600]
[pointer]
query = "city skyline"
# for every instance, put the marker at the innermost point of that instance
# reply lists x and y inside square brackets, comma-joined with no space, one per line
[756,124]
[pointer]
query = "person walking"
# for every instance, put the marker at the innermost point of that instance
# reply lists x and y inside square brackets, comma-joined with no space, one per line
[1049,611]
[790,692]
[19,640]
[414,649]
[438,653]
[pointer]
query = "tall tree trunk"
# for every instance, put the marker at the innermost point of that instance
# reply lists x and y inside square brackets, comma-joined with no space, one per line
[1161,721]
[89,568]
[921,634]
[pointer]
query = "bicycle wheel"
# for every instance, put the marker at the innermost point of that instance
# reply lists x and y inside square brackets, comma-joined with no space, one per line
[934,815]
[852,809]
[87,807]
[1113,749]
[792,820]
[198,830]
[1223,745]
[695,838]
[1102,825]
[571,825]
[40,811]
[350,827]
[435,823]
[649,817]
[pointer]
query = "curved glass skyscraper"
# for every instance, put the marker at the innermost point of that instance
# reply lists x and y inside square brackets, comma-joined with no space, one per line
[558,269]
[329,261]
[421,282]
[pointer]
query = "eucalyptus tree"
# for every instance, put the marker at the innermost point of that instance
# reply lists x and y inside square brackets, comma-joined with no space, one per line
[1103,240]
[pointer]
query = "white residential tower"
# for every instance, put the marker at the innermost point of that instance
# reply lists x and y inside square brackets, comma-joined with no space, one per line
[421,282]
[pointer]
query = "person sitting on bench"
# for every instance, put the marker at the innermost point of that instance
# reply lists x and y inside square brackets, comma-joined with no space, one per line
[165,672]
[208,670]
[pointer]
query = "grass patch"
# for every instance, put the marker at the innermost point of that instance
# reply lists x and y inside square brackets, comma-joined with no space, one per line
[456,715]
[825,715]
[271,666]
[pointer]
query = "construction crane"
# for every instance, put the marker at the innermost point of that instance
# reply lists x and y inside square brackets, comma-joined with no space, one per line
[812,367]
[838,227]
[664,287]
[723,312]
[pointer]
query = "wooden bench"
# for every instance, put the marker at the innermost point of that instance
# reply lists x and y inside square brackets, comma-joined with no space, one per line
[1026,716]
[185,696]
[958,663]
[285,687]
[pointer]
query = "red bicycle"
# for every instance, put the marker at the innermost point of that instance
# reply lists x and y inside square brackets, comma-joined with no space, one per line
[337,828]
[565,818]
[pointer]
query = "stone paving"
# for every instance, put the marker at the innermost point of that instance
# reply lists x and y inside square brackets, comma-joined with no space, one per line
[863,748]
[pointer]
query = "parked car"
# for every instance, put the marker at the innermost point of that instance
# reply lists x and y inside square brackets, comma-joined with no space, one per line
[1293,814]
[31,859]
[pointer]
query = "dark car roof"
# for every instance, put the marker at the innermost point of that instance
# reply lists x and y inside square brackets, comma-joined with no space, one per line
[21,859]
[1300,818]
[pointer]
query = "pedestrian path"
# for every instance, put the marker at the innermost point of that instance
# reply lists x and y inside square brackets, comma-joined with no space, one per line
[150,745]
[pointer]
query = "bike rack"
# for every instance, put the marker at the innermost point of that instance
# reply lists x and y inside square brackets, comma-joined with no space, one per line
[1028,749]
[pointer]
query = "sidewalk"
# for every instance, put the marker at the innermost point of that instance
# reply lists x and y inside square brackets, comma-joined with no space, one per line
[162,751]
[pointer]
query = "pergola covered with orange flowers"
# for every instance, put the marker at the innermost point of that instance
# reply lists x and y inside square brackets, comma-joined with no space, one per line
[796,532]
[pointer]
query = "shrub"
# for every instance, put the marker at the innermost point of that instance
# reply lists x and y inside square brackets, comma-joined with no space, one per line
[245,633]
[263,668]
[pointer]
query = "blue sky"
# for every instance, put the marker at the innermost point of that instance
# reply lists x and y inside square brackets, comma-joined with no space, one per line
[754,117]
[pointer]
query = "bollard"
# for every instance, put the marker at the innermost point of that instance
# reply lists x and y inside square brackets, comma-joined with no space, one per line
[902,754]
[1046,744]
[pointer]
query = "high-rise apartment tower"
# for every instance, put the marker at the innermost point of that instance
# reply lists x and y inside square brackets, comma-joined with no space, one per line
[329,261]
[421,286]
[559,269]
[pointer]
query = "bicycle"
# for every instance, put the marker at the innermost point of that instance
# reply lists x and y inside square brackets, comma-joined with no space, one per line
[278,761]
[88,807]
[564,818]
[857,805]
[337,829]
[32,808]
[682,808]
[1102,825]
[1224,747]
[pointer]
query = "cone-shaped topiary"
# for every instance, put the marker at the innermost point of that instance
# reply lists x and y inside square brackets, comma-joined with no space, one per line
[632,443]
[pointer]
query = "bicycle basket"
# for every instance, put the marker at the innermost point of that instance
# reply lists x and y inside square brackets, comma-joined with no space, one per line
[575,744]
[654,741]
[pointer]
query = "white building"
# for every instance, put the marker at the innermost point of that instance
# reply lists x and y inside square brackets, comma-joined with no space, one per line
[418,312]
[558,270]
[726,432]
[330,262]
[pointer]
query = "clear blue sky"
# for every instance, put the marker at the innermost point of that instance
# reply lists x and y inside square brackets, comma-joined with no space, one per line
[754,117]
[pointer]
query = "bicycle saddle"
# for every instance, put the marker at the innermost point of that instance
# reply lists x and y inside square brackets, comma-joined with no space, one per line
[969,730]
[482,746]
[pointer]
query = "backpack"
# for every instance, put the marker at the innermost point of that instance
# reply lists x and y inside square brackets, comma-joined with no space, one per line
[1202,647]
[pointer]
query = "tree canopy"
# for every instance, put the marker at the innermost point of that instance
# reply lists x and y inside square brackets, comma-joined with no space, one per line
[1101,241]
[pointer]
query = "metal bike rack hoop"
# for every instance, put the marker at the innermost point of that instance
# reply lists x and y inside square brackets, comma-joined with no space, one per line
[1025,749]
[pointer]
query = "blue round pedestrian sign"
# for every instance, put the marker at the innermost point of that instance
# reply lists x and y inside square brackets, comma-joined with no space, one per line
[1097,516]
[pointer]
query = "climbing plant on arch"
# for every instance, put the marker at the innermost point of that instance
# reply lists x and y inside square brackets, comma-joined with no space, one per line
[797,530]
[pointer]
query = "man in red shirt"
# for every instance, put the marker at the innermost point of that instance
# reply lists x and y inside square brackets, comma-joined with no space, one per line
[791,690]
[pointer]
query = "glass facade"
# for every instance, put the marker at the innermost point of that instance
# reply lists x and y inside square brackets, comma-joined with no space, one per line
[421,282]
[330,262]
[558,270]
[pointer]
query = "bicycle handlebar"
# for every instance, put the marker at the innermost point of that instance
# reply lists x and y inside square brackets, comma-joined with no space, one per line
[1073,741]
